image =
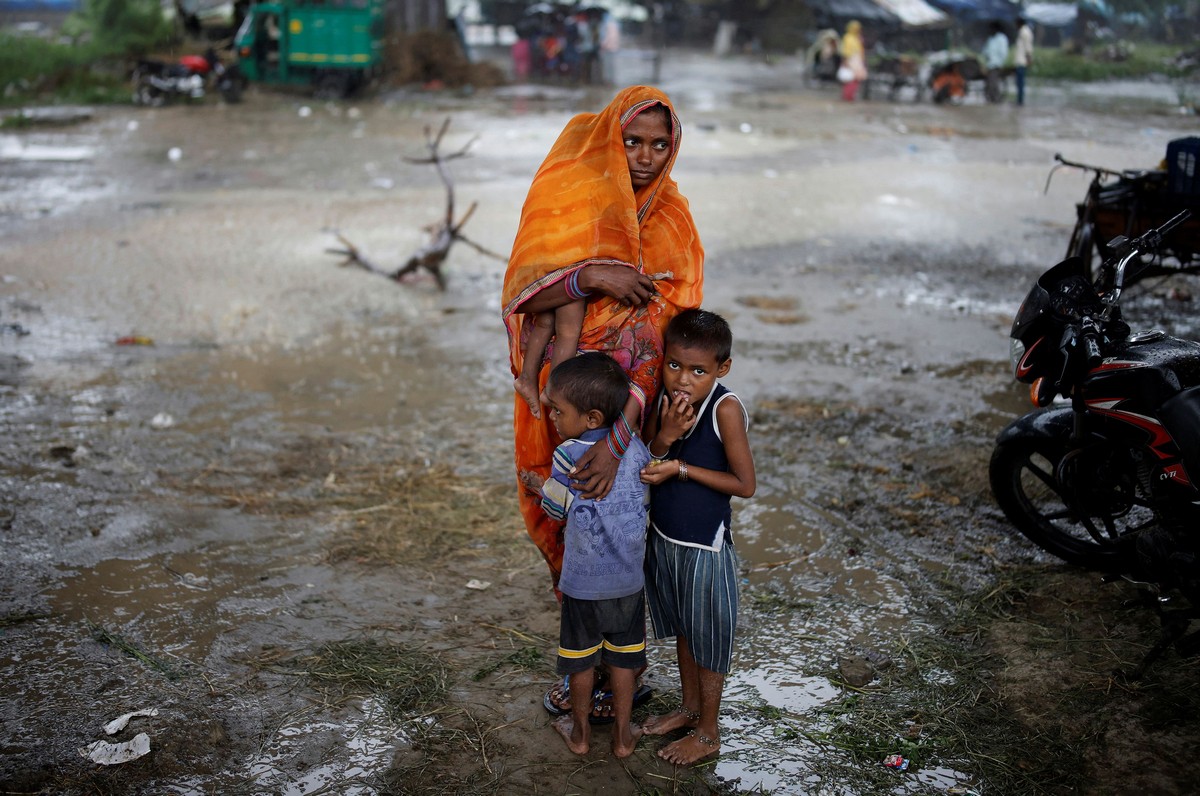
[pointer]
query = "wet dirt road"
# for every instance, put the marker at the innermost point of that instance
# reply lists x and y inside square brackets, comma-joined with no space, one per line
[177,518]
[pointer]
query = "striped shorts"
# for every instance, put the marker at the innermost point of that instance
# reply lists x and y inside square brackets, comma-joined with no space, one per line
[693,592]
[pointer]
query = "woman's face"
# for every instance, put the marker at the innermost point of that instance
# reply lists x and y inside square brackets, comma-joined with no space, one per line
[647,146]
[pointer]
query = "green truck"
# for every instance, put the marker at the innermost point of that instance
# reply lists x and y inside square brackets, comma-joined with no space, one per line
[335,46]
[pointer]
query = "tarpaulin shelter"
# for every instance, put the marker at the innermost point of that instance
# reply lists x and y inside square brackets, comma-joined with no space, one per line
[878,15]
[968,11]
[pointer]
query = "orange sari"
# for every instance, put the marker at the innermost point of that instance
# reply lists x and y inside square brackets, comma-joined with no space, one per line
[582,210]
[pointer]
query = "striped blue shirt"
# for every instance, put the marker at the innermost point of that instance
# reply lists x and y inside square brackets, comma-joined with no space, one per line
[605,540]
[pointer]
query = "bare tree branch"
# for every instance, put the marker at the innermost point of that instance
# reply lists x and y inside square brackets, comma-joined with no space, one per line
[442,233]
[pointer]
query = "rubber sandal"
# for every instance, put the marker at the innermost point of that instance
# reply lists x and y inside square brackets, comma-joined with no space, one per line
[602,701]
[549,702]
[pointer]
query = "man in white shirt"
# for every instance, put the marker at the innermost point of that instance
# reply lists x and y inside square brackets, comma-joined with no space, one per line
[1022,56]
[995,54]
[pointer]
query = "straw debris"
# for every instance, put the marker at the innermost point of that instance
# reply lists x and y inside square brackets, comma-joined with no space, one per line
[408,679]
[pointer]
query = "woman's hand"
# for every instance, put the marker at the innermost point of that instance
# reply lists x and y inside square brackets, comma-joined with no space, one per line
[595,472]
[621,282]
[657,471]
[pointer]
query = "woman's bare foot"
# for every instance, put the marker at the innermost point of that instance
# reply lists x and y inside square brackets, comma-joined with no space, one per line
[691,748]
[529,392]
[666,722]
[623,747]
[578,738]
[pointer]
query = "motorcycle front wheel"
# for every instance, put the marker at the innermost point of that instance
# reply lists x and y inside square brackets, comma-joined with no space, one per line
[146,93]
[1093,524]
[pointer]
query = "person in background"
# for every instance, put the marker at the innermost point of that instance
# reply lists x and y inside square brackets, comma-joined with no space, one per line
[995,55]
[1023,56]
[610,46]
[854,59]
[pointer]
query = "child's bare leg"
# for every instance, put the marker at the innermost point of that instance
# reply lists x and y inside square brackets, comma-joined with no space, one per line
[526,384]
[687,714]
[574,727]
[625,733]
[568,325]
[705,738]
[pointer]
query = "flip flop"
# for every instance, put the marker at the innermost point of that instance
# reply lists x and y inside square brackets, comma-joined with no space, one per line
[641,696]
[548,701]
[602,700]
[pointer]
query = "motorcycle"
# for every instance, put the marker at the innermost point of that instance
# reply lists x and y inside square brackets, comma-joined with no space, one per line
[155,82]
[1108,479]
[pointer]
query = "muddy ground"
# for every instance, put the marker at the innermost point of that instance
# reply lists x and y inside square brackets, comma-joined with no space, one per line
[287,524]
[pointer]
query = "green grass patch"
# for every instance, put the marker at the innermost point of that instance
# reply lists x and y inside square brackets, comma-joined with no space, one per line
[35,70]
[1138,60]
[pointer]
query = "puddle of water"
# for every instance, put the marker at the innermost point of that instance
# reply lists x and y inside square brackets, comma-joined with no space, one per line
[176,602]
[342,757]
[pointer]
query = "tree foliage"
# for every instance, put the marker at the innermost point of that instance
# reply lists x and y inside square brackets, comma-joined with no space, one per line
[122,27]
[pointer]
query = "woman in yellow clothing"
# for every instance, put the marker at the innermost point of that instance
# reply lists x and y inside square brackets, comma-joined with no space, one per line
[854,60]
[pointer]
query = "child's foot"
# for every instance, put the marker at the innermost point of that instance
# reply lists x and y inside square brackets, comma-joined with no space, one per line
[576,737]
[530,393]
[691,748]
[666,722]
[624,747]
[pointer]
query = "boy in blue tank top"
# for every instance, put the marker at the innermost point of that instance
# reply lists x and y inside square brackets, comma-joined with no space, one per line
[701,458]
[603,603]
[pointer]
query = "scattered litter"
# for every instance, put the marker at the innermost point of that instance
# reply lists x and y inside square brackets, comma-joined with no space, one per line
[305,111]
[174,153]
[746,127]
[896,762]
[119,723]
[132,126]
[383,183]
[1179,294]
[958,790]
[135,340]
[478,585]
[843,440]
[13,328]
[162,420]
[111,754]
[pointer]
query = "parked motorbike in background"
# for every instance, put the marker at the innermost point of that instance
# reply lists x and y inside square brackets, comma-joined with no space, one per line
[157,82]
[1109,480]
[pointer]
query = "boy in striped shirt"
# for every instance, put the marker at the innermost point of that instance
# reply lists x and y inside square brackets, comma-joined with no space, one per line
[603,603]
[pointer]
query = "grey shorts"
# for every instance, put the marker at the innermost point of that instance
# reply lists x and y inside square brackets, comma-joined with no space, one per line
[609,631]
[693,592]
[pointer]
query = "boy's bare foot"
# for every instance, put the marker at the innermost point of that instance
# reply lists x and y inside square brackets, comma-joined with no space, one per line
[577,738]
[530,393]
[622,750]
[666,722]
[691,748]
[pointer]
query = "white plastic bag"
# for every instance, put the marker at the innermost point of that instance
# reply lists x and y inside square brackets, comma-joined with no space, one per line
[845,74]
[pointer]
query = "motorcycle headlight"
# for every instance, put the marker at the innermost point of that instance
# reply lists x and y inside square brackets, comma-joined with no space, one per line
[1016,350]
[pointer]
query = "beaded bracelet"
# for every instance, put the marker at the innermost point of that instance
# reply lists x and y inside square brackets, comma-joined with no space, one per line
[683,476]
[574,292]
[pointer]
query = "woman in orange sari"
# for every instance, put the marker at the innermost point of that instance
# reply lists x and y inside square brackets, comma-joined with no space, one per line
[605,223]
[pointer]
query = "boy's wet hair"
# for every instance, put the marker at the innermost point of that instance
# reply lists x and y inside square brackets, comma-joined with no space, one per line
[592,380]
[701,329]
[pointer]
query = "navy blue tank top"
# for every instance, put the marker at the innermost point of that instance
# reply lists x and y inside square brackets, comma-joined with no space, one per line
[685,511]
